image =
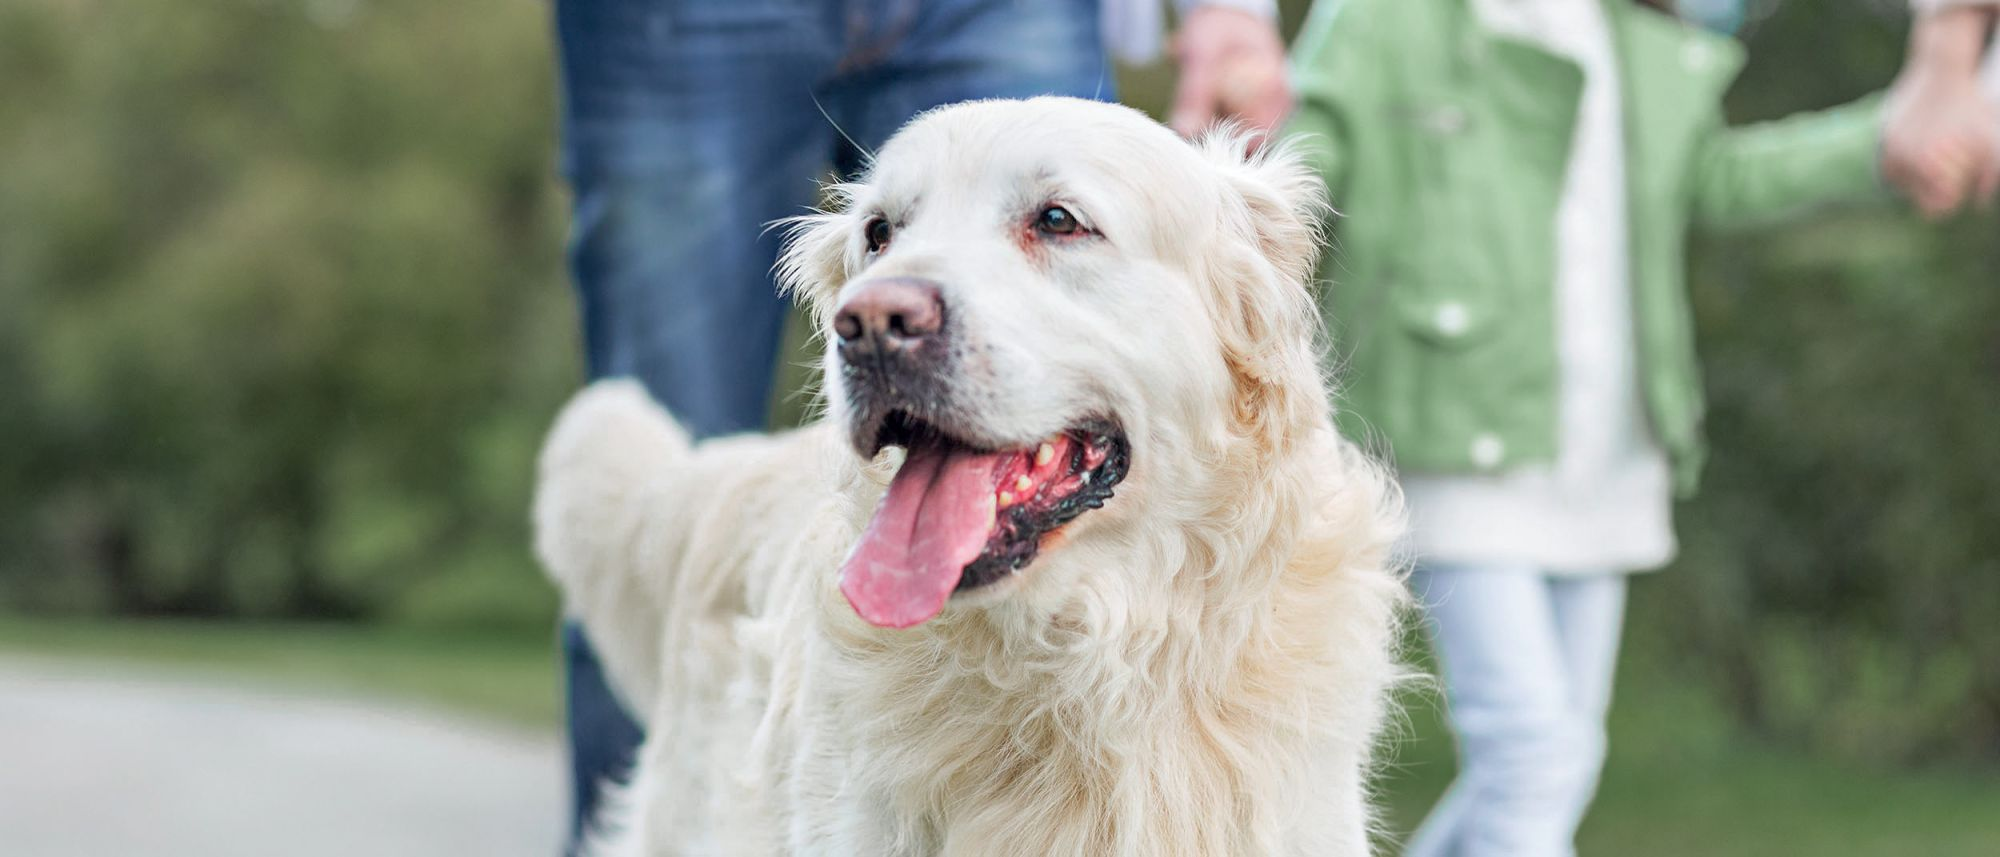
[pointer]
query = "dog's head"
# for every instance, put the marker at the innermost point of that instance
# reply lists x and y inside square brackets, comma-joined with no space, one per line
[1035,300]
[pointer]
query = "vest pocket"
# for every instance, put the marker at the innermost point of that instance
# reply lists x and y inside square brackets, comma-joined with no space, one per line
[1446,321]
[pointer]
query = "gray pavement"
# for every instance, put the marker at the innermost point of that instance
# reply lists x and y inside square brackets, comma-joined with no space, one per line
[105,764]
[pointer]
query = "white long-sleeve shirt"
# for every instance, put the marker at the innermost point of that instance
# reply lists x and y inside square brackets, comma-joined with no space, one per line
[1993,73]
[1922,6]
[1606,504]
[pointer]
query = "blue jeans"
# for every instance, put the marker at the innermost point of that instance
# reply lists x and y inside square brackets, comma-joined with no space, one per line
[1527,659]
[688,125]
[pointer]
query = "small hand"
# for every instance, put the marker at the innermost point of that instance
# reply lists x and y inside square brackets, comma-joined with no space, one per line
[1941,143]
[1232,65]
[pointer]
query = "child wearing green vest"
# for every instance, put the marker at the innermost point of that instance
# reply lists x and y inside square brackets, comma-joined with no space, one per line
[1508,304]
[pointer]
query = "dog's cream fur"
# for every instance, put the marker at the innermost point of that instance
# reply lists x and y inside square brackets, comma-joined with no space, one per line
[1198,668]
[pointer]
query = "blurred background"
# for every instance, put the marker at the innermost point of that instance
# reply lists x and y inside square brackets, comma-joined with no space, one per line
[283,316]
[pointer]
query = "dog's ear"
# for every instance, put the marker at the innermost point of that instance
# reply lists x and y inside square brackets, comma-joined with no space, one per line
[1261,271]
[814,263]
[1285,199]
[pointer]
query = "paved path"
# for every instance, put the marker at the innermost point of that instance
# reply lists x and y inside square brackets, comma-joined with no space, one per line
[102,764]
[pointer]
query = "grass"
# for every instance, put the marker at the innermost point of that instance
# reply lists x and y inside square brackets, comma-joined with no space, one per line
[504,677]
[1680,781]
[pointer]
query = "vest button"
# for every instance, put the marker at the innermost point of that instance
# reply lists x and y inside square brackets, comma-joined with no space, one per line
[1452,319]
[1487,450]
[1448,120]
[1697,55]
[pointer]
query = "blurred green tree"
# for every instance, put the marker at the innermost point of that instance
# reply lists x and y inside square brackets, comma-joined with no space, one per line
[281,308]
[1841,569]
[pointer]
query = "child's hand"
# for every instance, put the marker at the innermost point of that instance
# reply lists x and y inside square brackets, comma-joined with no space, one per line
[1941,144]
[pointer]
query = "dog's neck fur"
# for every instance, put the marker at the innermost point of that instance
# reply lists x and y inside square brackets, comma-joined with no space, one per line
[1178,706]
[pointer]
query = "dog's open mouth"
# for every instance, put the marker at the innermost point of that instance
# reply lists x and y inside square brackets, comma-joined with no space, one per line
[957,517]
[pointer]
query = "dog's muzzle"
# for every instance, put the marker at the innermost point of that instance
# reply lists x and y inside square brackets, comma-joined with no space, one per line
[894,347]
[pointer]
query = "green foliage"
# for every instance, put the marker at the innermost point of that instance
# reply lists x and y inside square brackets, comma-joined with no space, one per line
[1841,570]
[281,306]
[507,676]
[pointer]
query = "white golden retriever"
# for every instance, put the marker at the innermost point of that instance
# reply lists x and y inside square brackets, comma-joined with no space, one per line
[1074,565]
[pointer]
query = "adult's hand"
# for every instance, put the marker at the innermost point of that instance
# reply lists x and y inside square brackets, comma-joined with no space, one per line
[1232,65]
[1941,142]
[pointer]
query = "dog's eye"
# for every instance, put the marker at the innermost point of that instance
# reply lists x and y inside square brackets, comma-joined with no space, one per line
[879,232]
[1056,220]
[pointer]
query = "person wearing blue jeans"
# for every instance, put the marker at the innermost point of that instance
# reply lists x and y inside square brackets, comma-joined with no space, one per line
[690,125]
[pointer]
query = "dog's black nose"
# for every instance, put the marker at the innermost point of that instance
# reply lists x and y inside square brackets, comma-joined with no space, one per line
[890,317]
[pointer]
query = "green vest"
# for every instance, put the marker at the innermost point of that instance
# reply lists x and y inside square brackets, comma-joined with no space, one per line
[1445,147]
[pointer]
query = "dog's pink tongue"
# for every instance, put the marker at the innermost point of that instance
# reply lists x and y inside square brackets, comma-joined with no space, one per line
[935,519]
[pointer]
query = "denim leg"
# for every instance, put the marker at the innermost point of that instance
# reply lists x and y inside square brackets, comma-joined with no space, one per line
[1531,731]
[944,51]
[1590,619]
[602,737]
[687,127]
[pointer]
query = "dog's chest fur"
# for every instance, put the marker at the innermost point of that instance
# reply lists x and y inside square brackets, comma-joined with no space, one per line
[1019,756]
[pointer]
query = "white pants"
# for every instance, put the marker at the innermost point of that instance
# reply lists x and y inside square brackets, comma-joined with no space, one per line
[1527,659]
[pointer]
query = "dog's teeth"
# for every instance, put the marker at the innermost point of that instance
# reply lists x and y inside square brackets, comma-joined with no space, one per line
[1006,499]
[1044,454]
[1024,484]
[993,505]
